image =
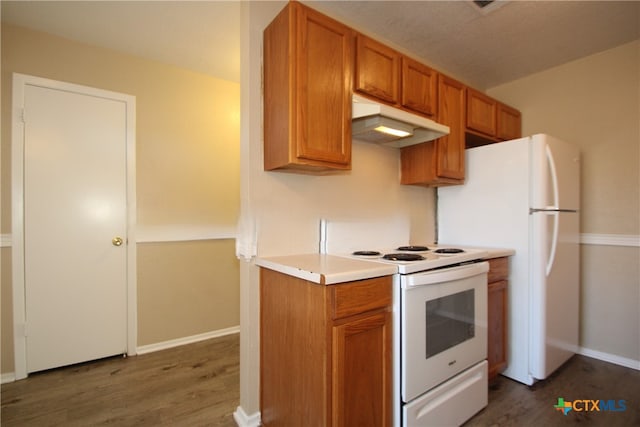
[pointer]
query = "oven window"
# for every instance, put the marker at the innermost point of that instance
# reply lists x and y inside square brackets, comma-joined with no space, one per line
[450,321]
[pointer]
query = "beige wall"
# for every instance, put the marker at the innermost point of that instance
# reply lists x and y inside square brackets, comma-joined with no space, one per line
[197,291]
[595,103]
[187,179]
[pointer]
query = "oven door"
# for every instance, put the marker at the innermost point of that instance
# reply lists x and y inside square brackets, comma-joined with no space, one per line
[444,325]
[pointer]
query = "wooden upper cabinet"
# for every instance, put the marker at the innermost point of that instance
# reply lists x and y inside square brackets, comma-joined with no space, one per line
[481,112]
[308,75]
[509,122]
[377,70]
[419,87]
[490,121]
[393,78]
[440,162]
[312,66]
[451,112]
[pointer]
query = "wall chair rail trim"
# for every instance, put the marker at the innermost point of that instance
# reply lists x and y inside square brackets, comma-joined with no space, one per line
[183,233]
[187,233]
[628,240]
[5,241]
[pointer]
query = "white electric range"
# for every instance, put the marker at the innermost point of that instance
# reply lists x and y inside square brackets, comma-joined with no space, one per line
[415,258]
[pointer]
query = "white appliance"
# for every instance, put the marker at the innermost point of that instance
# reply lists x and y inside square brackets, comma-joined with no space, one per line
[524,194]
[442,326]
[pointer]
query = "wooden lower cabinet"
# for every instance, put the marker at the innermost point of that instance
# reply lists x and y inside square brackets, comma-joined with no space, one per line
[325,352]
[497,300]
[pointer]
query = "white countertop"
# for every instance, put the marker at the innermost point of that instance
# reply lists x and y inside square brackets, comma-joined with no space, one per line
[326,269]
[330,269]
[498,252]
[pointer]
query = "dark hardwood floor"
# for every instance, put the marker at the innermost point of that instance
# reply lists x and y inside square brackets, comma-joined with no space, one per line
[581,378]
[198,385]
[191,385]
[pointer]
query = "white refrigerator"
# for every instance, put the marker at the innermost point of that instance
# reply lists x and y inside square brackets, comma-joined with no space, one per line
[524,194]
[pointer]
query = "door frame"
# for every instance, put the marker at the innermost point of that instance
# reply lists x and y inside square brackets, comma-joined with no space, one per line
[20,81]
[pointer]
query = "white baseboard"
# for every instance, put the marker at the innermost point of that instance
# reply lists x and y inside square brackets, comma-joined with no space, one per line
[187,340]
[7,377]
[611,358]
[244,420]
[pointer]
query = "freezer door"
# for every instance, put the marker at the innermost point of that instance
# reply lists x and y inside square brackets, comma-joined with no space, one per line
[555,291]
[555,174]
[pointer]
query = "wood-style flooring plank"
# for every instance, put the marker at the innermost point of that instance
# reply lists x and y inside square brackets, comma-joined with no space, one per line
[191,385]
[515,404]
[198,385]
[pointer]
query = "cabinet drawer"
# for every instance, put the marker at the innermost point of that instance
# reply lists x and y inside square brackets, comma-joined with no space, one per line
[358,297]
[498,269]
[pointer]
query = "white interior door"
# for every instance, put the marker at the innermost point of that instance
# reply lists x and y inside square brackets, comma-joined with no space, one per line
[75,204]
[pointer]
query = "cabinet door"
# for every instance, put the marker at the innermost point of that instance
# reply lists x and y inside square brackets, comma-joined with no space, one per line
[439,162]
[419,87]
[509,122]
[497,327]
[450,148]
[308,80]
[362,371]
[481,112]
[377,70]
[294,351]
[324,72]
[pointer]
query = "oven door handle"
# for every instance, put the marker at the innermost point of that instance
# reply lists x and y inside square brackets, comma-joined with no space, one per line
[444,275]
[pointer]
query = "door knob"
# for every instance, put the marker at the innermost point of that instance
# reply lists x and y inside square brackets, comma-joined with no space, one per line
[117,241]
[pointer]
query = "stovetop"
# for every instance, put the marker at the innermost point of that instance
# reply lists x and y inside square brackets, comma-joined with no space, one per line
[415,258]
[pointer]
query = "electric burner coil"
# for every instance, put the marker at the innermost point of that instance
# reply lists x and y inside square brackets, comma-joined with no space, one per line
[413,248]
[449,251]
[403,257]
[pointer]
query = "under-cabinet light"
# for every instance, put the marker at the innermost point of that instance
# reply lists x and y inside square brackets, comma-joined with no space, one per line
[392,131]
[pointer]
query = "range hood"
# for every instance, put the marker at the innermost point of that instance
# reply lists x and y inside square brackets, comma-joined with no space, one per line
[382,124]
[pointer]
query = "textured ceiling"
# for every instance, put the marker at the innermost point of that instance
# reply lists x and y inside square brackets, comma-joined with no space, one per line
[513,39]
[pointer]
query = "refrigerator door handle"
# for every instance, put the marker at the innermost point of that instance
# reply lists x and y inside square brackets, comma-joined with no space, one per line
[534,210]
[554,176]
[554,243]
